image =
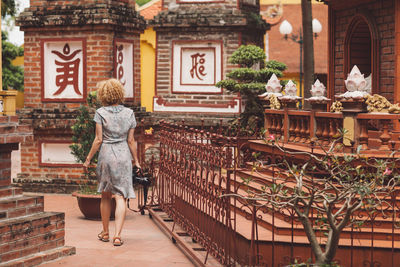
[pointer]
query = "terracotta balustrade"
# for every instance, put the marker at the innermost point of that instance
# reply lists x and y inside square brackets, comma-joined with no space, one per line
[385,120]
[299,126]
[274,122]
[327,126]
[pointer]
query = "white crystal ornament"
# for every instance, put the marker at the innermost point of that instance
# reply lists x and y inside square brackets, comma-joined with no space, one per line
[273,87]
[356,84]
[290,91]
[318,91]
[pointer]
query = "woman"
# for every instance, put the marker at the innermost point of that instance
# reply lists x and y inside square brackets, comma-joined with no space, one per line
[115,127]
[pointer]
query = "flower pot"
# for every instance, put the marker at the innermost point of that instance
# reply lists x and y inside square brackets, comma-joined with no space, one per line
[89,204]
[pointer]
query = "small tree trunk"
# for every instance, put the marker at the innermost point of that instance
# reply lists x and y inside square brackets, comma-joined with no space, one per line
[308,47]
[331,246]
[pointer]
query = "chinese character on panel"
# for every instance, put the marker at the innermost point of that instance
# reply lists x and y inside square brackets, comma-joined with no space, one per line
[63,70]
[197,67]
[123,65]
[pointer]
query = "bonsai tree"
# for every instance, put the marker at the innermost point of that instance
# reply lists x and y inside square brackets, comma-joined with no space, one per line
[83,132]
[249,80]
[339,189]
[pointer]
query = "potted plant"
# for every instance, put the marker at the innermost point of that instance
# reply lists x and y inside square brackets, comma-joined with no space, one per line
[83,134]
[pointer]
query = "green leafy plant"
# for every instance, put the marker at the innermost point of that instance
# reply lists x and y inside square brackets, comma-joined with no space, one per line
[13,76]
[84,131]
[249,80]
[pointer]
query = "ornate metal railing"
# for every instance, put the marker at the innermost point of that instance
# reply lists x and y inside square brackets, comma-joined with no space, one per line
[197,167]
[195,170]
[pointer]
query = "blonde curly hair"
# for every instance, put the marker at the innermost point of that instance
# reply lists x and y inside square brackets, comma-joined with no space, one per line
[110,92]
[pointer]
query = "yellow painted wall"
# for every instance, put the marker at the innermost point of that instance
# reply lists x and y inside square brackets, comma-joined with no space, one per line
[148,65]
[19,61]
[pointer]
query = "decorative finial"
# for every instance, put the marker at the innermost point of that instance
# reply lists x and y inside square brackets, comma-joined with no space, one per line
[290,91]
[273,87]
[317,92]
[356,84]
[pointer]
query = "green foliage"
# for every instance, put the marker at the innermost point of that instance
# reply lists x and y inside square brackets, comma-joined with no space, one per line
[8,7]
[88,190]
[242,74]
[251,90]
[264,75]
[13,76]
[248,55]
[142,2]
[229,85]
[250,82]
[84,132]
[273,64]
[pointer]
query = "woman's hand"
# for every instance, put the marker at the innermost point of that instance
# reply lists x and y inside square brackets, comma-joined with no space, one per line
[137,165]
[86,165]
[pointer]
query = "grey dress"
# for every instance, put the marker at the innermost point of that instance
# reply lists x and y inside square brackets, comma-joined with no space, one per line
[114,165]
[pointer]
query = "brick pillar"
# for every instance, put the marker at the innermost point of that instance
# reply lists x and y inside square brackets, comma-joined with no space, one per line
[11,133]
[194,42]
[89,35]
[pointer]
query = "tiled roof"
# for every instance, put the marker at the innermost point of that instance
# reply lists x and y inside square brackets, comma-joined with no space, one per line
[151,9]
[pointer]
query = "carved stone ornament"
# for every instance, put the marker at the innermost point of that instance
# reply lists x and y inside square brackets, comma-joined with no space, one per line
[318,92]
[336,107]
[274,102]
[356,84]
[378,103]
[273,87]
[290,92]
[394,108]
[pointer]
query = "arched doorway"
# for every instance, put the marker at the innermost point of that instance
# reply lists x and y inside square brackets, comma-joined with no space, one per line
[361,49]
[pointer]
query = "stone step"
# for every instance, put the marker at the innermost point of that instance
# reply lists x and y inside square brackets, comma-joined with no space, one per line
[20,205]
[51,185]
[256,182]
[26,235]
[40,257]
[10,192]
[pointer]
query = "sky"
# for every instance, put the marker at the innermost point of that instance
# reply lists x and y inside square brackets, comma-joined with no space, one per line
[15,36]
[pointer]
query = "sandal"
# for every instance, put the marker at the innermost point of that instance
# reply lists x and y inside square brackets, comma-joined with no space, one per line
[117,241]
[104,236]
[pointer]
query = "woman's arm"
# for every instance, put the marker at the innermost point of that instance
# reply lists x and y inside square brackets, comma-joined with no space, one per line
[95,145]
[132,146]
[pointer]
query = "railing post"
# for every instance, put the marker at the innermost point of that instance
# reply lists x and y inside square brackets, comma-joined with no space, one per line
[286,125]
[385,137]
[351,108]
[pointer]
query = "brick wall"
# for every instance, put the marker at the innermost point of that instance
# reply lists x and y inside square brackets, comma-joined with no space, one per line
[248,5]
[99,22]
[383,13]
[46,3]
[228,4]
[56,127]
[11,133]
[164,72]
[99,62]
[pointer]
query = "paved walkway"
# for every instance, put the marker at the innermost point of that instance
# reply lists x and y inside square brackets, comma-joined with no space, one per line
[145,244]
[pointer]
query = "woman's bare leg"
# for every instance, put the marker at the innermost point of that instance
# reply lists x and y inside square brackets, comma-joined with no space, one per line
[105,210]
[120,212]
